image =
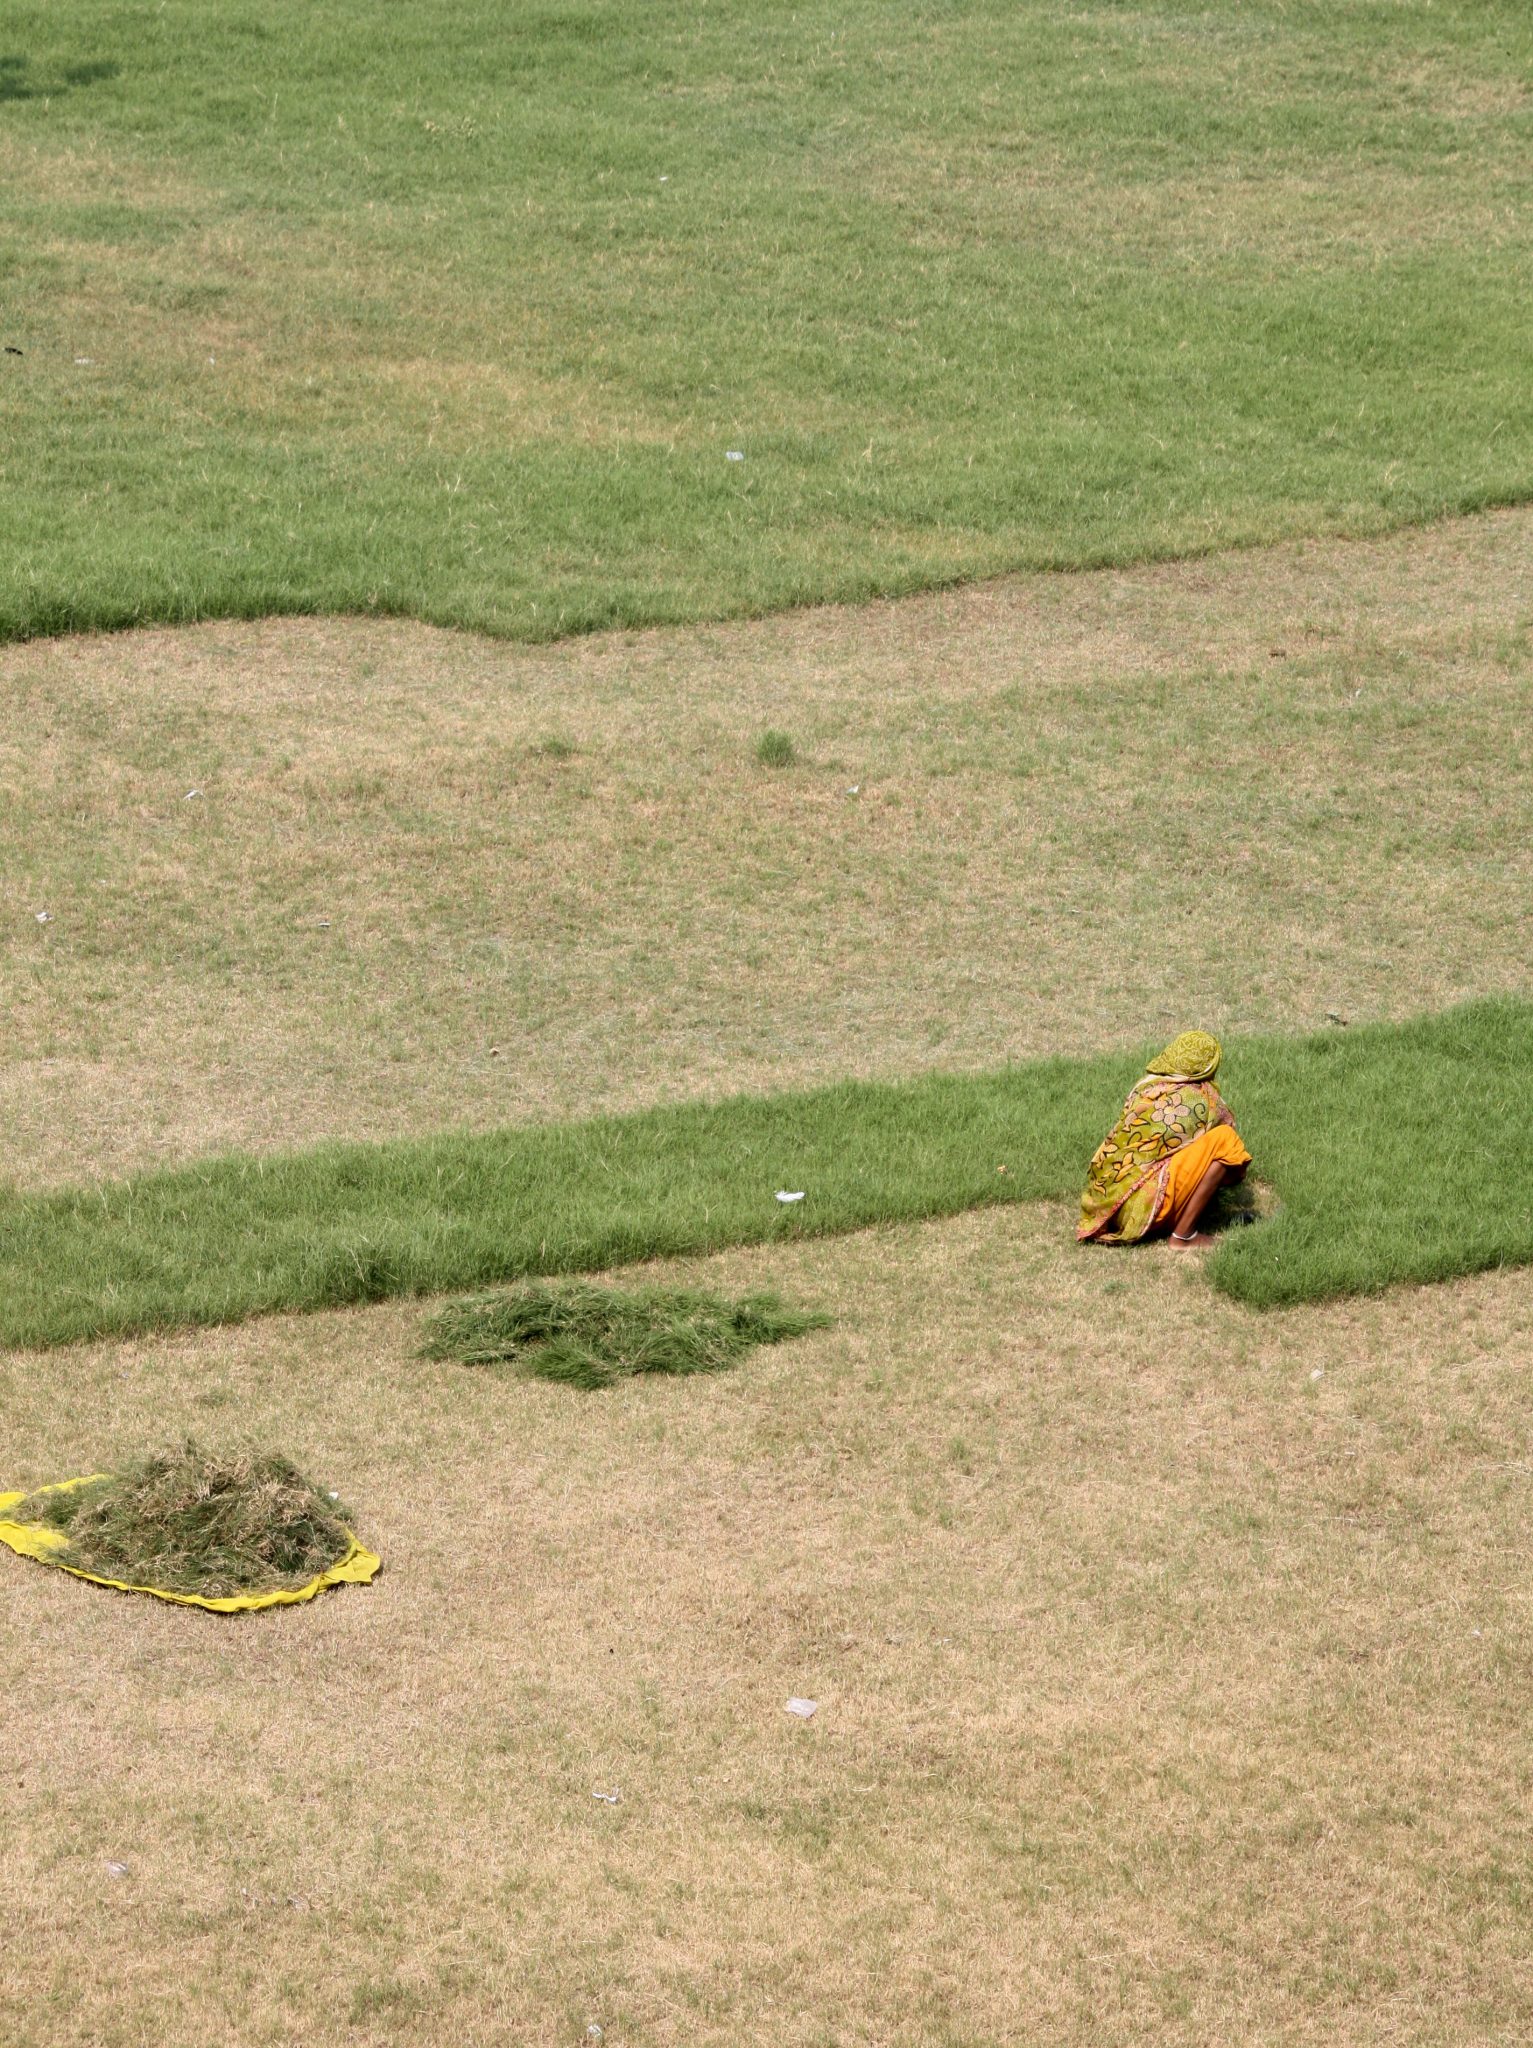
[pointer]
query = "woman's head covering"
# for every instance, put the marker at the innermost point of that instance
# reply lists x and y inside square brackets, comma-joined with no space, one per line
[1195,1054]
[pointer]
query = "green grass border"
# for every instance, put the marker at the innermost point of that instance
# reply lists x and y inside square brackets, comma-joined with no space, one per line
[1400,1152]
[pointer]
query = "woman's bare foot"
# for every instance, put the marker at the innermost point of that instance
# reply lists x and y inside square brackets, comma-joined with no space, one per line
[1200,1240]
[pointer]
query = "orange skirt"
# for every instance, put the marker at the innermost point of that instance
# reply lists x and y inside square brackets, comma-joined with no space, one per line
[1188,1166]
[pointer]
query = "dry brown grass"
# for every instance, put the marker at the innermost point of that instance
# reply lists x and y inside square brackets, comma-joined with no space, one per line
[1169,1693]
[1251,789]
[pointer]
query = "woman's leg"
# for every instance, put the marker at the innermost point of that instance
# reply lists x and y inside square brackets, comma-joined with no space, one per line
[1184,1224]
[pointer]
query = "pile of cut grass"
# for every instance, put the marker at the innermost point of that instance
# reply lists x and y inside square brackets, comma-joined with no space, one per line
[190,1521]
[585,1336]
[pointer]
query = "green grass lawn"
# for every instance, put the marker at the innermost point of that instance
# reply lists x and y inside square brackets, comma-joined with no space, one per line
[459,311]
[1400,1153]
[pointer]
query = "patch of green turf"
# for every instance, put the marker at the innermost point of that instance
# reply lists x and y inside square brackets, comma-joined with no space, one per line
[591,1337]
[1400,1152]
[462,311]
[190,1522]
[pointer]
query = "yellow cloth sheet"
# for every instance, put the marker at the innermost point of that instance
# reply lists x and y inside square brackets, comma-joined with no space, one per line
[38,1540]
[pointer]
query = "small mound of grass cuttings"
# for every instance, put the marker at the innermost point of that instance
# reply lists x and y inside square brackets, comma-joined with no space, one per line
[190,1521]
[589,1336]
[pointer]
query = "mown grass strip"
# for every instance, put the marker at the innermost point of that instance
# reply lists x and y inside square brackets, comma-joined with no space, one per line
[1401,1153]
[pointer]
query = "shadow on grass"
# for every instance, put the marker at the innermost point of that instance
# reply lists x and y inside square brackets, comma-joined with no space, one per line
[18,80]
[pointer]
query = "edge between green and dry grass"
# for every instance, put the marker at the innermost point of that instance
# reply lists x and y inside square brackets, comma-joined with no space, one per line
[1397,1152]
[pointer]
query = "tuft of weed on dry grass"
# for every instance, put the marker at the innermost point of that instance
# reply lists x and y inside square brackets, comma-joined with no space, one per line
[190,1521]
[775,749]
[589,1337]
[1172,1666]
[1054,813]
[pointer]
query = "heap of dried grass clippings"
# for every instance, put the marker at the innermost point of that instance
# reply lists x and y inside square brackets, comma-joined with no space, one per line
[190,1521]
[589,1336]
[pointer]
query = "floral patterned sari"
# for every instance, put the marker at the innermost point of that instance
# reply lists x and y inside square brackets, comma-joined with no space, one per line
[1127,1179]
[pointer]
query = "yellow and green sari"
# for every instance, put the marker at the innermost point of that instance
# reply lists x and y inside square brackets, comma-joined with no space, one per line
[1174,1124]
